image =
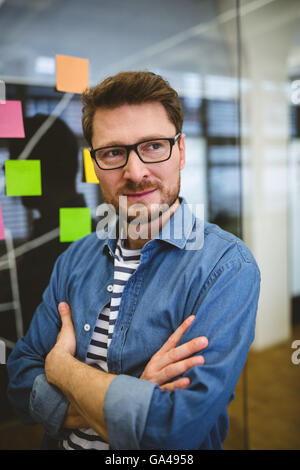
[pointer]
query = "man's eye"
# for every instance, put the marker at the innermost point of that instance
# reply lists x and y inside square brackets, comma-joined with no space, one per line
[152,146]
[113,153]
[155,145]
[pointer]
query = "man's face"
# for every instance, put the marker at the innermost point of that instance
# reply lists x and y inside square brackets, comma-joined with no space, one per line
[154,183]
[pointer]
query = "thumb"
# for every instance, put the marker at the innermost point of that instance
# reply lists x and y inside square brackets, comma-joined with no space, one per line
[66,338]
[65,313]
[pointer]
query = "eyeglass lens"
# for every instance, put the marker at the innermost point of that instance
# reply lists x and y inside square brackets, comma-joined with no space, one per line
[150,152]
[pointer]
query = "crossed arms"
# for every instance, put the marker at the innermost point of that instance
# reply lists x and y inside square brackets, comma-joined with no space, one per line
[144,412]
[86,387]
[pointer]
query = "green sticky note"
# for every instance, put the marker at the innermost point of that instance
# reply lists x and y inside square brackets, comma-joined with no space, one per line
[23,178]
[74,223]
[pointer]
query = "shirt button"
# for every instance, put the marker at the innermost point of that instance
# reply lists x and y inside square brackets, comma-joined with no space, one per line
[87,327]
[110,288]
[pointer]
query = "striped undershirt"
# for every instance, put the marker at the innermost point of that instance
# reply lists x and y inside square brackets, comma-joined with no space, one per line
[125,264]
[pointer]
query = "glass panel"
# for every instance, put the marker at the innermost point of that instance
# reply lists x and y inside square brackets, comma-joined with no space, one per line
[235,65]
[270,105]
[184,41]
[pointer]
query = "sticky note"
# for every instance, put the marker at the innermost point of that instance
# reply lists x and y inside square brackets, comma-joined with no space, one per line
[90,175]
[23,177]
[11,120]
[2,234]
[74,223]
[72,74]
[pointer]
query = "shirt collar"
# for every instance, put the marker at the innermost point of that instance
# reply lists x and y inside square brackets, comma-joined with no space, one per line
[176,231]
[178,228]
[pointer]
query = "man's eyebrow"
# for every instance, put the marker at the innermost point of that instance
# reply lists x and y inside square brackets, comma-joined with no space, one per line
[114,143]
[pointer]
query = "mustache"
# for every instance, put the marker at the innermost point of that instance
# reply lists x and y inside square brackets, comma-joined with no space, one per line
[132,187]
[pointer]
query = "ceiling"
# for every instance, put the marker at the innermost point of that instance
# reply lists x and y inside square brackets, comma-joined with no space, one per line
[173,36]
[113,35]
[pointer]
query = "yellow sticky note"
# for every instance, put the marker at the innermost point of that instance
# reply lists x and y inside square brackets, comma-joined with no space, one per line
[90,175]
[72,74]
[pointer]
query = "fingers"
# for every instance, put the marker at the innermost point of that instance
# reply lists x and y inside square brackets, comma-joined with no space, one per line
[182,383]
[183,351]
[73,419]
[174,370]
[177,335]
[170,361]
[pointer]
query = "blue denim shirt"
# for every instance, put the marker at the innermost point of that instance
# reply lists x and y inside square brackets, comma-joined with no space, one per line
[218,283]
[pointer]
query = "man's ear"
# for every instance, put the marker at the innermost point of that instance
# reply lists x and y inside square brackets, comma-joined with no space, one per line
[182,151]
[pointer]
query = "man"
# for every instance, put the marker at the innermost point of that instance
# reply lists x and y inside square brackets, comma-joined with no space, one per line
[112,357]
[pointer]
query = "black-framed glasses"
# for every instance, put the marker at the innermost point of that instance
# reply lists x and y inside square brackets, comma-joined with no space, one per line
[148,151]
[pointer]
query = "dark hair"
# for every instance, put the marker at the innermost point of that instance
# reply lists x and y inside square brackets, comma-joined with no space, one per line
[130,88]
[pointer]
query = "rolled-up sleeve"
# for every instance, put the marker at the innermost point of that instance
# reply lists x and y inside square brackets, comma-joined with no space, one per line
[48,407]
[125,410]
[140,415]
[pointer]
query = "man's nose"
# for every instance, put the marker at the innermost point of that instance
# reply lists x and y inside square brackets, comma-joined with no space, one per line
[135,169]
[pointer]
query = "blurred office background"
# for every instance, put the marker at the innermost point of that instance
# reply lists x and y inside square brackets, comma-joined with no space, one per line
[236,66]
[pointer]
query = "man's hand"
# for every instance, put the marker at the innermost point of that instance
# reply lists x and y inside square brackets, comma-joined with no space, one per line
[65,344]
[73,419]
[170,362]
[66,338]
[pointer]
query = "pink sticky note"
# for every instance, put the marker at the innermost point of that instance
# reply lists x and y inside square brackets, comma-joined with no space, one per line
[2,235]
[11,120]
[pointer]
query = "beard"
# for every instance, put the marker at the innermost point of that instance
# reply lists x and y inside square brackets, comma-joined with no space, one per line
[168,196]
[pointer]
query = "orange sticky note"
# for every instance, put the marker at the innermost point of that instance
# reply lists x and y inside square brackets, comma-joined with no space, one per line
[90,175]
[72,74]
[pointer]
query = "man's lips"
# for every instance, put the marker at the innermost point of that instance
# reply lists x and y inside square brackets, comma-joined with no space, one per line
[139,194]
